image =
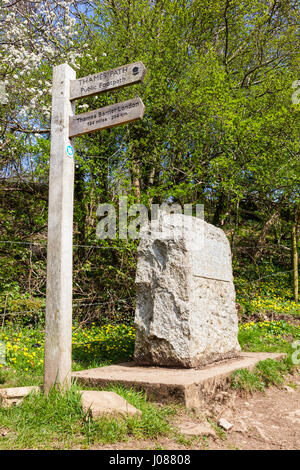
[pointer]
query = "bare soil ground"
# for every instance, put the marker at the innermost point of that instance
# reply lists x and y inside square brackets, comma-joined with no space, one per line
[269,420]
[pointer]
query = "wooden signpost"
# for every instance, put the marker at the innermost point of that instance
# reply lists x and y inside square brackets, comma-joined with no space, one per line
[64,126]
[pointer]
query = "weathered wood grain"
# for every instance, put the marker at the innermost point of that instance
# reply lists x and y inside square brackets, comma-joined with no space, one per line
[58,334]
[109,116]
[108,80]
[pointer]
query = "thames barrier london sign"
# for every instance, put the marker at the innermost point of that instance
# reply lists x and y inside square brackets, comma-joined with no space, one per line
[109,116]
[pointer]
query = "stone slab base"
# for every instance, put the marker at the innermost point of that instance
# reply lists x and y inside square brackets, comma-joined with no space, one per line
[190,387]
[97,403]
[14,396]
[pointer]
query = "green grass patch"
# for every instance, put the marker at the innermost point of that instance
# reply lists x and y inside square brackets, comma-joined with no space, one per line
[153,423]
[243,379]
[43,421]
[95,346]
[58,421]
[269,336]
[266,373]
[219,431]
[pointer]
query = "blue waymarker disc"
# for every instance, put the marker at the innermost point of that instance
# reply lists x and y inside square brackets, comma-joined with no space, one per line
[70,150]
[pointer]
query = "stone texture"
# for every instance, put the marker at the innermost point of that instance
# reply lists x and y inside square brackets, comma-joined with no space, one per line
[106,403]
[193,388]
[185,307]
[14,396]
[288,389]
[223,423]
[199,429]
[294,416]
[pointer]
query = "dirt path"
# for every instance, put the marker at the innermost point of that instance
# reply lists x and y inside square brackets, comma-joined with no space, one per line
[261,421]
[269,421]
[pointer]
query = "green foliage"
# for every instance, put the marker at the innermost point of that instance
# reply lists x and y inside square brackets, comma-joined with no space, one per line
[24,310]
[219,129]
[268,336]
[99,345]
[42,419]
[271,371]
[153,423]
[57,420]
[276,336]
[111,343]
[92,347]
[272,294]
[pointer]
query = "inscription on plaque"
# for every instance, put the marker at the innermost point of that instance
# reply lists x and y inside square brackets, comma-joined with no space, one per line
[211,261]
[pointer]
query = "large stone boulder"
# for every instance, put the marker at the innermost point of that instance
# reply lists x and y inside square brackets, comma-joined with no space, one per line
[185,305]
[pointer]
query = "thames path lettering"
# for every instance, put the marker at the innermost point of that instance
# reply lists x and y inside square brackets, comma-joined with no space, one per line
[109,80]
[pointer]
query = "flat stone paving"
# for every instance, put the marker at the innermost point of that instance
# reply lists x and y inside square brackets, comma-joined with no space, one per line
[191,387]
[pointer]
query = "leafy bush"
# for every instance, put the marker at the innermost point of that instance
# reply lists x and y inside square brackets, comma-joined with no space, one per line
[268,336]
[270,294]
[23,311]
[107,343]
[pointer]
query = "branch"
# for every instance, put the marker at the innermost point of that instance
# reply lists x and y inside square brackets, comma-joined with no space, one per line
[226,31]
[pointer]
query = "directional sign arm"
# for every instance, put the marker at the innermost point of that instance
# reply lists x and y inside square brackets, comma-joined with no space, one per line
[108,80]
[109,116]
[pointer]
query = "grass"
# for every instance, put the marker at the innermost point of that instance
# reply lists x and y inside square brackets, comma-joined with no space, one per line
[39,420]
[272,293]
[58,421]
[269,336]
[219,431]
[243,379]
[95,346]
[153,423]
[266,373]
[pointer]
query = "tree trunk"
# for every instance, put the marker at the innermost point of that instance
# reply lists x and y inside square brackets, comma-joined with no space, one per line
[136,181]
[263,235]
[220,207]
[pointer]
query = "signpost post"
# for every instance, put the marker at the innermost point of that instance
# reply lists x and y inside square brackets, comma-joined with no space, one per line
[64,126]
